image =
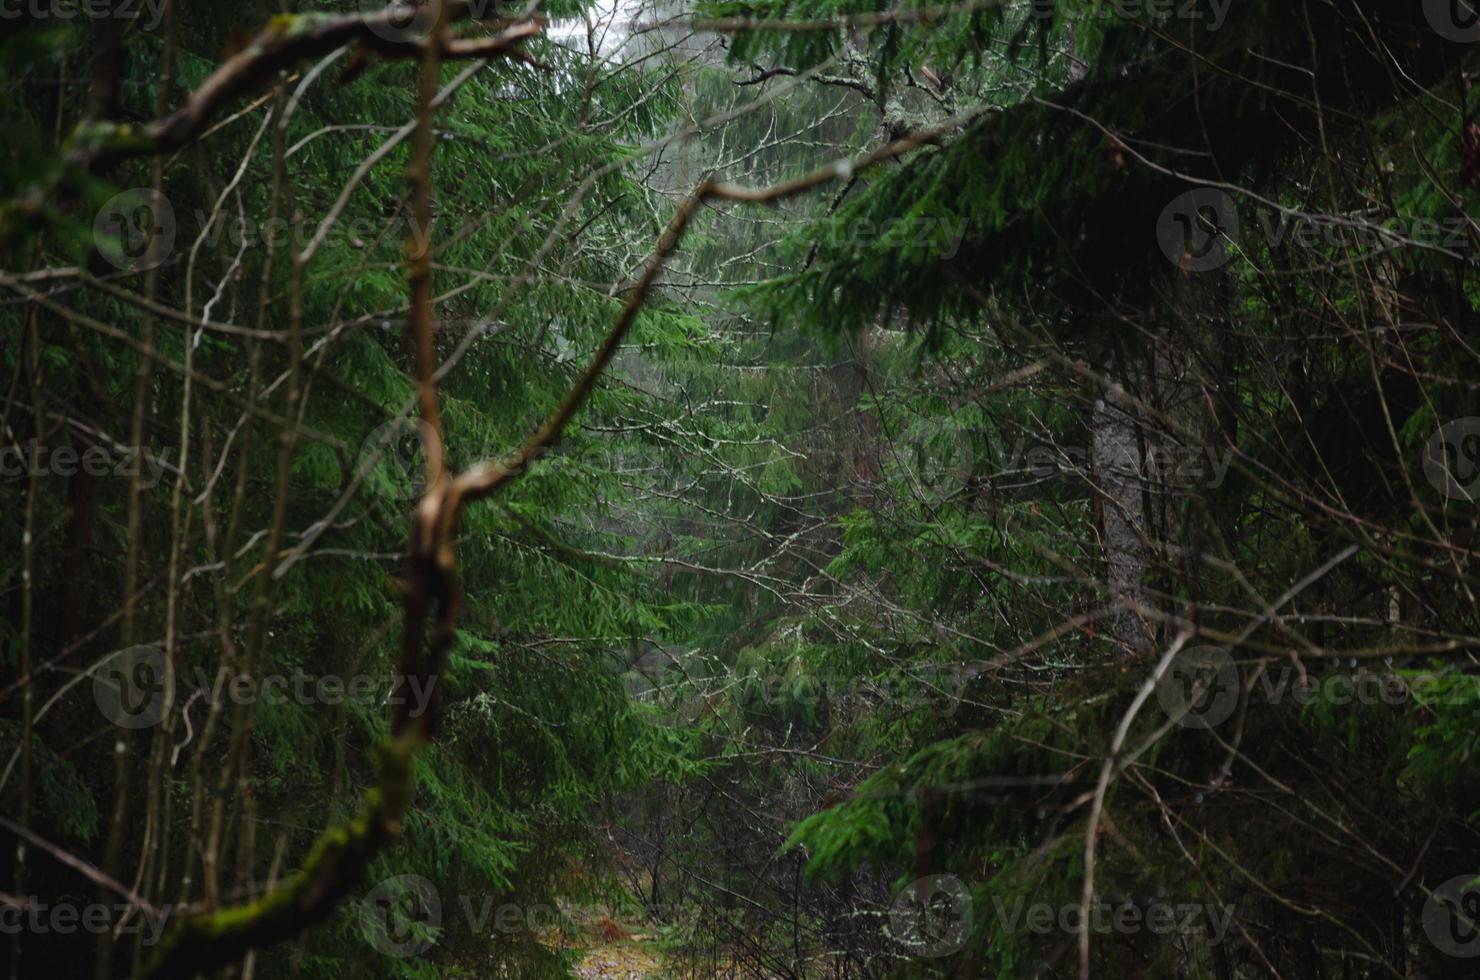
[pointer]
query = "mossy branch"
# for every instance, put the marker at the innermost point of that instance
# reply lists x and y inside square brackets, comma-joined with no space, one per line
[396,32]
[201,943]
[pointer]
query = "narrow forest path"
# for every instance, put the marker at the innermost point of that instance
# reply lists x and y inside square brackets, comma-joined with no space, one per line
[612,950]
[626,960]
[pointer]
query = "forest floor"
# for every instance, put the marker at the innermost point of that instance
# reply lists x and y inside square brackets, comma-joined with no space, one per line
[615,951]
[623,960]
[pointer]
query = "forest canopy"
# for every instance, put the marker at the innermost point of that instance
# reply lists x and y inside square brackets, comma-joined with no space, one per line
[742,488]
